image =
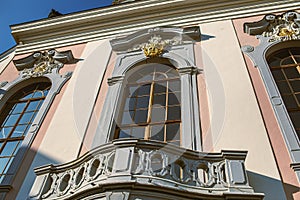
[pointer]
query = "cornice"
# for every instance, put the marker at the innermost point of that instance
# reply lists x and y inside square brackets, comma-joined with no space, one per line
[119,20]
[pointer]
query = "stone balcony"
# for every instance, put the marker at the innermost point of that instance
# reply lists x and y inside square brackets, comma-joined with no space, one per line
[139,169]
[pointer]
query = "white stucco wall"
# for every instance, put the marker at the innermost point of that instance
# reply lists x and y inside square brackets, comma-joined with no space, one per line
[66,129]
[236,122]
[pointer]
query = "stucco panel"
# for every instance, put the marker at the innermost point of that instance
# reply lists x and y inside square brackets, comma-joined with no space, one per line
[236,122]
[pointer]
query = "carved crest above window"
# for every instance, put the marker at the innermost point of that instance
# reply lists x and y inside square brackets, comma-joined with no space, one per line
[276,27]
[156,45]
[41,63]
[155,41]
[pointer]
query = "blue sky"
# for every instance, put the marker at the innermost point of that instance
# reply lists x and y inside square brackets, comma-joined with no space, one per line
[19,11]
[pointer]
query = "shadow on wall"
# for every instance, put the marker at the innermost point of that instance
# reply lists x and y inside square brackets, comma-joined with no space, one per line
[272,188]
[39,160]
[206,37]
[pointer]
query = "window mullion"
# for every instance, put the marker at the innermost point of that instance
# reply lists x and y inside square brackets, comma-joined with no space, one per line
[151,95]
[293,57]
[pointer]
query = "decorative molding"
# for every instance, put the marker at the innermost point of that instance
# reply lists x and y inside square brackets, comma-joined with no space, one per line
[154,41]
[189,70]
[153,165]
[113,80]
[3,83]
[116,2]
[117,21]
[156,46]
[41,63]
[276,32]
[282,27]
[247,48]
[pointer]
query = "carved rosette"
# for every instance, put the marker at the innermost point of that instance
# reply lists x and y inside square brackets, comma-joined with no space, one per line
[41,63]
[156,45]
[277,27]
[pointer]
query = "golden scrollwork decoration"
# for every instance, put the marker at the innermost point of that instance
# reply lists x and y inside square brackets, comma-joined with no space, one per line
[156,45]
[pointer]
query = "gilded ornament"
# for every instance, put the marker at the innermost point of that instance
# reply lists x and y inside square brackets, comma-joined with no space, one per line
[153,50]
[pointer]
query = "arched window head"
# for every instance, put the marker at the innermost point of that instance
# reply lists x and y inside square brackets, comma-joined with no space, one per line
[151,106]
[16,118]
[285,67]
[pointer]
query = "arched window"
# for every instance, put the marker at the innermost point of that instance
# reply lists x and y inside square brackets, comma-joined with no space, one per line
[151,106]
[15,120]
[285,67]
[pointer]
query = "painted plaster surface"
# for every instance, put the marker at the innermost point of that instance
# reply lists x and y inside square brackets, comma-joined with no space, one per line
[281,153]
[72,114]
[236,122]
[5,61]
[95,117]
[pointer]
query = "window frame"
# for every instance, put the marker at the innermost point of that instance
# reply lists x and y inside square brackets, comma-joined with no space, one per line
[153,82]
[182,58]
[8,89]
[259,55]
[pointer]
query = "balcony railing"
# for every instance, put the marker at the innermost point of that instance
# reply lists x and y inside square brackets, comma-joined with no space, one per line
[133,163]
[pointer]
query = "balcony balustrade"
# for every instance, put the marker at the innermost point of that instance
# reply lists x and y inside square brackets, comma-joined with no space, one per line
[129,165]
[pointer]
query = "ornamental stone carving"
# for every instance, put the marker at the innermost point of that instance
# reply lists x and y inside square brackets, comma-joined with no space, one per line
[276,27]
[155,41]
[156,45]
[41,63]
[138,163]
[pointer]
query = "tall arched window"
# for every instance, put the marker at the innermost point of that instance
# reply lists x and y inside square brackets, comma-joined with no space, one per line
[15,120]
[151,107]
[285,67]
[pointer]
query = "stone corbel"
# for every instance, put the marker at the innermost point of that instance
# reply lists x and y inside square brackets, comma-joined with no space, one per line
[189,70]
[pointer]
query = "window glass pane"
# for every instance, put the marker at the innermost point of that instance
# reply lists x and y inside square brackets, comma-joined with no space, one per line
[38,94]
[129,103]
[144,90]
[289,101]
[5,131]
[159,100]
[160,88]
[278,75]
[174,99]
[124,133]
[20,130]
[157,132]
[46,92]
[18,108]
[295,117]
[158,114]
[284,87]
[127,117]
[274,62]
[173,132]
[3,163]
[146,78]
[28,96]
[26,118]
[141,116]
[133,91]
[291,72]
[174,113]
[142,102]
[174,86]
[296,85]
[33,105]
[9,148]
[287,61]
[298,97]
[138,132]
[160,76]
[8,165]
[12,119]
